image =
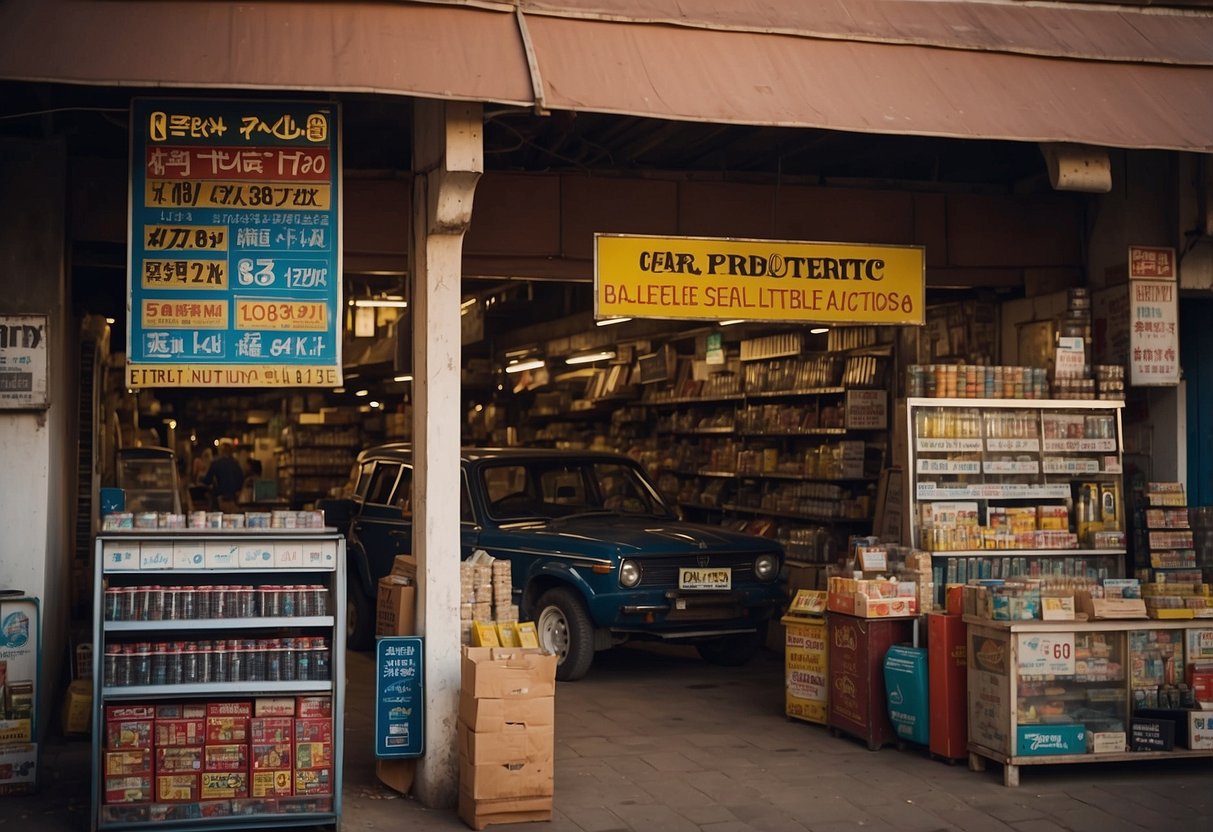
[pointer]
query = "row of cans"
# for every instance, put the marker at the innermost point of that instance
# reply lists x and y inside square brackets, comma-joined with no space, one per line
[234,660]
[182,603]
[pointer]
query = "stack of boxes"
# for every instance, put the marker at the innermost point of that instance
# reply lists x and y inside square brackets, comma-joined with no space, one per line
[506,736]
[486,594]
[215,759]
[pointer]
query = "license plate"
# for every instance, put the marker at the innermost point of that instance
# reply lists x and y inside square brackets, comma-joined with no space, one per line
[690,578]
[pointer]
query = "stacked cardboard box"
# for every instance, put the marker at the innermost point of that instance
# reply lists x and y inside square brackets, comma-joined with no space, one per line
[506,736]
[486,590]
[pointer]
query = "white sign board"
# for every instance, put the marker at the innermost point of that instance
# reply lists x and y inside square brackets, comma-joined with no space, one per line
[23,362]
[867,410]
[1153,317]
[1046,654]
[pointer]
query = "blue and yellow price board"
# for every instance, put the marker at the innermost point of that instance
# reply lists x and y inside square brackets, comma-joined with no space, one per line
[399,696]
[234,277]
[700,278]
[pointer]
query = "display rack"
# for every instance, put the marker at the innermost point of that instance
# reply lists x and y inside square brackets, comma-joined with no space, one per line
[199,619]
[1056,692]
[315,458]
[1017,487]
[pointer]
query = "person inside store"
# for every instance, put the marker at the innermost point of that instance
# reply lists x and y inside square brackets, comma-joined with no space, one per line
[226,478]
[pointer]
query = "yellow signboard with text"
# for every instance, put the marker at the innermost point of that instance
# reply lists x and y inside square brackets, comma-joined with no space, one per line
[700,278]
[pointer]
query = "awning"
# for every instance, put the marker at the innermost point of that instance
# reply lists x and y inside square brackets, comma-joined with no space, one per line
[1108,76]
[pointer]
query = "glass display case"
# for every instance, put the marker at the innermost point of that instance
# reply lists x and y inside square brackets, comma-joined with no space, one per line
[1049,692]
[148,478]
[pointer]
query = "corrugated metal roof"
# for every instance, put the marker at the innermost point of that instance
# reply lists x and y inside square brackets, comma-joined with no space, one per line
[1110,76]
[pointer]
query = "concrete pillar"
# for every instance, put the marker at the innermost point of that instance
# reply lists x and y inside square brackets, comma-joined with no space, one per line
[448,158]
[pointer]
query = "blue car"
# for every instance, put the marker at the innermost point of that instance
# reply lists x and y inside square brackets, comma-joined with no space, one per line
[598,557]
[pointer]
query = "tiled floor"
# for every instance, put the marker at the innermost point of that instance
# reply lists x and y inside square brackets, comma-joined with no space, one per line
[656,740]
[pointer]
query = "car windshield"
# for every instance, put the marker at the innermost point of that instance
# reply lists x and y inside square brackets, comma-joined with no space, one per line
[547,488]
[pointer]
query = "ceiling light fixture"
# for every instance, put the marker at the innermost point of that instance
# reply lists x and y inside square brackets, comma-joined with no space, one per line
[362,392]
[734,321]
[381,303]
[819,330]
[467,303]
[405,377]
[589,357]
[109,320]
[522,366]
[610,321]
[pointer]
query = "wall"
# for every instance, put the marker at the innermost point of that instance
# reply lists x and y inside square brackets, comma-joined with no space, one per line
[36,447]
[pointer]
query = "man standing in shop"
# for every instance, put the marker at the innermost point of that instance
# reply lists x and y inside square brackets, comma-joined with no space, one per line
[225,477]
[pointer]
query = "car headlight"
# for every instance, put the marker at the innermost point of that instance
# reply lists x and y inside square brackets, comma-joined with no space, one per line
[629,574]
[766,567]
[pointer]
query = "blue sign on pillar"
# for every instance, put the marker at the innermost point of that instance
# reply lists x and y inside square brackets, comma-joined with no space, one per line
[399,697]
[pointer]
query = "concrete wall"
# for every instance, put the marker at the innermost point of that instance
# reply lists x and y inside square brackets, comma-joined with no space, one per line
[38,464]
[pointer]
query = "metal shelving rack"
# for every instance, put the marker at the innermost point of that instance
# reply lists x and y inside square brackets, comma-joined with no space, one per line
[964,466]
[328,549]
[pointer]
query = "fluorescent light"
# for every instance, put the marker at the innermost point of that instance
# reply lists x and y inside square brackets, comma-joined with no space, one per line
[374,404]
[610,321]
[405,377]
[382,303]
[362,392]
[467,303]
[590,357]
[109,320]
[338,389]
[734,321]
[520,366]
[819,330]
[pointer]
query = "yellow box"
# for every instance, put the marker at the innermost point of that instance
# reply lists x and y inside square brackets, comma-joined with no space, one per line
[806,687]
[78,707]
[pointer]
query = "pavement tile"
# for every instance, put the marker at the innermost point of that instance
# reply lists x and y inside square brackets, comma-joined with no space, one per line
[654,817]
[726,826]
[671,761]
[1040,825]
[596,819]
[907,817]
[707,813]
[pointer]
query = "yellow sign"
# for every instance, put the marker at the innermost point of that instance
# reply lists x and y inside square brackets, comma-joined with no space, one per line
[184,314]
[297,316]
[184,274]
[700,278]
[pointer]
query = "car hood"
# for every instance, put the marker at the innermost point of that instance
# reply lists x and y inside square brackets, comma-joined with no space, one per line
[633,536]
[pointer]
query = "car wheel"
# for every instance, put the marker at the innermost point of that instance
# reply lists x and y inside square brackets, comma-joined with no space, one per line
[729,651]
[359,619]
[565,630]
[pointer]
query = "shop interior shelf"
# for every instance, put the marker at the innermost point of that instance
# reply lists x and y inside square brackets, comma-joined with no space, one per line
[115,694]
[1019,553]
[267,622]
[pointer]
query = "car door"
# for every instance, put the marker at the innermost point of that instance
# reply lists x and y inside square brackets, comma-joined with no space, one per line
[381,527]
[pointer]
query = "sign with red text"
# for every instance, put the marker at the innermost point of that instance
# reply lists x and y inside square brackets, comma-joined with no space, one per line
[1046,654]
[1153,317]
[708,279]
[234,277]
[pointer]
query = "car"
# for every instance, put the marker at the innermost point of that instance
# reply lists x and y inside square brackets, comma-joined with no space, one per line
[597,555]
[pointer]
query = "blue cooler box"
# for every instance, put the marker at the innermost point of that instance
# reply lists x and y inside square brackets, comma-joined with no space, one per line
[905,682]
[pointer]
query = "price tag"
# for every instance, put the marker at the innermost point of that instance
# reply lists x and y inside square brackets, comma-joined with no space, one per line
[1046,654]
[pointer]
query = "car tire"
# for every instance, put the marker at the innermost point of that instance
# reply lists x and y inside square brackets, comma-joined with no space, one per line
[729,651]
[359,619]
[565,630]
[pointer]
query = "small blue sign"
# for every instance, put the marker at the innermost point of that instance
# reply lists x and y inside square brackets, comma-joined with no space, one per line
[399,697]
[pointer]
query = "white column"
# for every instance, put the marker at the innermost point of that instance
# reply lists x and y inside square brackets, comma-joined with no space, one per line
[448,158]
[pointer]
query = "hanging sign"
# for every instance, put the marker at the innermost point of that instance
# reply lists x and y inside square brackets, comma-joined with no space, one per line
[700,278]
[399,697]
[234,276]
[1153,317]
[23,346]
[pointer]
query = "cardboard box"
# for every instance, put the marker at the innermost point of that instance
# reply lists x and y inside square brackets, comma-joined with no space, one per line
[125,813]
[128,761]
[269,783]
[216,785]
[481,813]
[396,774]
[272,728]
[484,715]
[508,673]
[176,788]
[222,730]
[514,745]
[180,732]
[501,781]
[313,781]
[244,709]
[179,760]
[77,708]
[128,789]
[311,707]
[128,733]
[274,706]
[271,756]
[313,755]
[1041,740]
[232,757]
[1108,742]
[181,710]
[126,712]
[16,730]
[1178,719]
[395,608]
[313,730]
[1151,734]
[1200,730]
